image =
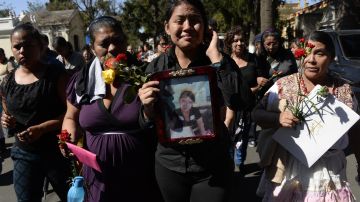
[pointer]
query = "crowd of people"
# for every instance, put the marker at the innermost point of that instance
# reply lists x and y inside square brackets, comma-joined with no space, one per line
[44,91]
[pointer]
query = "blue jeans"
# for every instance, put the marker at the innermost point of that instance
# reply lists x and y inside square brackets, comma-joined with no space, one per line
[30,170]
[240,154]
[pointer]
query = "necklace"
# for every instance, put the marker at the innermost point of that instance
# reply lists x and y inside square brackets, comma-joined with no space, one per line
[334,90]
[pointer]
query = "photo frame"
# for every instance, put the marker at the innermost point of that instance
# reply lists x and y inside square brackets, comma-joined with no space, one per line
[187,109]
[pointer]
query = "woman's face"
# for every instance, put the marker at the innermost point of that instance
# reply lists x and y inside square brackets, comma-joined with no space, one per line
[26,49]
[185,103]
[162,46]
[271,45]
[317,62]
[108,41]
[87,55]
[185,27]
[293,47]
[238,45]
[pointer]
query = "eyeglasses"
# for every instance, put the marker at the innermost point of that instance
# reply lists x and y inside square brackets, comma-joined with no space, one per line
[163,44]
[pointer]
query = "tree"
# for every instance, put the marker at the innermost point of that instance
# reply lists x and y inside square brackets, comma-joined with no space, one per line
[54,5]
[266,14]
[144,18]
[34,7]
[6,10]
[89,9]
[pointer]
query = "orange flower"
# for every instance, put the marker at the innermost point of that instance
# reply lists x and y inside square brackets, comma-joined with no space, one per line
[111,63]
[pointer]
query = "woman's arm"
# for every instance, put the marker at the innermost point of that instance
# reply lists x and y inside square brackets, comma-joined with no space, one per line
[71,120]
[213,52]
[229,117]
[272,119]
[200,124]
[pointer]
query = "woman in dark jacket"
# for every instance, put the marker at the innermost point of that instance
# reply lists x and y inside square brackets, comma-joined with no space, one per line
[280,61]
[199,172]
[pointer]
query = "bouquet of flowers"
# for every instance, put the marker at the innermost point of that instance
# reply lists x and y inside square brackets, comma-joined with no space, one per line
[116,72]
[303,51]
[64,137]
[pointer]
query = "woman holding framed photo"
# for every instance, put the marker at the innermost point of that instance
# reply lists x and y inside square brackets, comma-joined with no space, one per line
[203,171]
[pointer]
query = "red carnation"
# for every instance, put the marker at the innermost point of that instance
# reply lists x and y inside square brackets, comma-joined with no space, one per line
[64,136]
[111,63]
[121,57]
[301,40]
[310,45]
[300,52]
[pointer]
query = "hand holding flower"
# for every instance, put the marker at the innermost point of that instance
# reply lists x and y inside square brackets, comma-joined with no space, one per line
[287,119]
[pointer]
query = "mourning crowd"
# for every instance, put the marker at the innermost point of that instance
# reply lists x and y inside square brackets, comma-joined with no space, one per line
[256,93]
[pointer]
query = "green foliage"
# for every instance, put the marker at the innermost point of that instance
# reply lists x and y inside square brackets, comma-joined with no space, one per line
[146,15]
[5,9]
[89,9]
[4,13]
[54,5]
[34,7]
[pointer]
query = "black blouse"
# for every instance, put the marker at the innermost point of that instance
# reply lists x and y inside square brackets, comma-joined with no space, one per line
[34,103]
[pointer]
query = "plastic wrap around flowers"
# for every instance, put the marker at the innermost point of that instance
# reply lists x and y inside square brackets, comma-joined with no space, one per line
[116,72]
[303,50]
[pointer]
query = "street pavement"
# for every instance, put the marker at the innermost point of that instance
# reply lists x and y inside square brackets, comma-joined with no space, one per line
[244,189]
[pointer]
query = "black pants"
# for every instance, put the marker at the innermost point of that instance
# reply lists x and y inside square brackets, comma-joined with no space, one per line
[30,171]
[194,187]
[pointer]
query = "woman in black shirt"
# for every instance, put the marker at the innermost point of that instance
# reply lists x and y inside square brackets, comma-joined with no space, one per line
[199,172]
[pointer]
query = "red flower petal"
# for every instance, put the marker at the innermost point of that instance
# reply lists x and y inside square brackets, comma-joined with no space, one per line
[111,63]
[300,52]
[310,45]
[121,57]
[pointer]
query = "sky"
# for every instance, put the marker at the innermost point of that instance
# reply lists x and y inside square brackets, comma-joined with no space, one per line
[20,5]
[310,2]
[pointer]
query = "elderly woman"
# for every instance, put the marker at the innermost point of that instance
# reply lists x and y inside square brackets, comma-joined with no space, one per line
[285,178]
[279,60]
[235,45]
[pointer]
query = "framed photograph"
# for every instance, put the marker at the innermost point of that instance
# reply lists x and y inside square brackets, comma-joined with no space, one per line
[187,110]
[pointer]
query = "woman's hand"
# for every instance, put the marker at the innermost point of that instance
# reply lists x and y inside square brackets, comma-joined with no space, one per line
[261,81]
[148,96]
[7,121]
[31,134]
[287,119]
[213,52]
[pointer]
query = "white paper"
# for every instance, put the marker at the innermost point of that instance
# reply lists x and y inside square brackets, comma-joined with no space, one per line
[310,140]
